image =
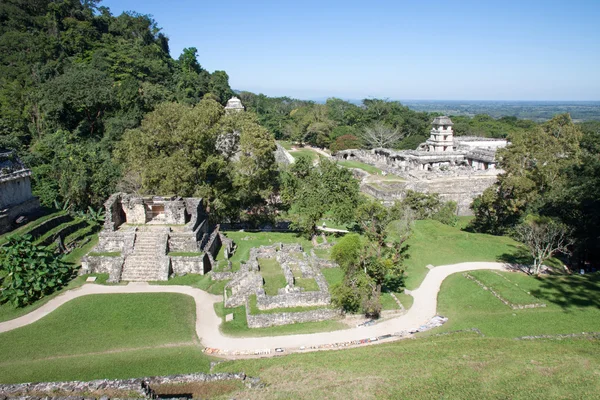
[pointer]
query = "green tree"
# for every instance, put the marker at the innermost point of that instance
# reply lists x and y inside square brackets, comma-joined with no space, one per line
[534,165]
[326,181]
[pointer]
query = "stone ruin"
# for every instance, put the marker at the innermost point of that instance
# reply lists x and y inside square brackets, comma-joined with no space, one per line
[292,259]
[16,199]
[458,168]
[139,232]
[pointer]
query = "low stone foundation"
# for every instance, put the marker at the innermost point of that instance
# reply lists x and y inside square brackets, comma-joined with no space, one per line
[113,266]
[181,265]
[286,318]
[142,386]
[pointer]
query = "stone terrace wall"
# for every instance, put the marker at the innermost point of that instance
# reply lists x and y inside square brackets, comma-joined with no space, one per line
[143,386]
[266,320]
[122,241]
[462,190]
[113,266]
[183,241]
[187,265]
[294,299]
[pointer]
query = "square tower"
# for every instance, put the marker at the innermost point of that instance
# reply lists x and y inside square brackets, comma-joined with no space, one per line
[442,136]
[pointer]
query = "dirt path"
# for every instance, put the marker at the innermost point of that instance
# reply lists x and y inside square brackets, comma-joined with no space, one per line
[207,322]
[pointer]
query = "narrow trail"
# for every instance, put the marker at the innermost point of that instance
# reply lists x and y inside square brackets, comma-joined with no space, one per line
[207,322]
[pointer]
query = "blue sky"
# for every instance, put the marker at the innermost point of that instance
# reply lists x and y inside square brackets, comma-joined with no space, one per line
[436,50]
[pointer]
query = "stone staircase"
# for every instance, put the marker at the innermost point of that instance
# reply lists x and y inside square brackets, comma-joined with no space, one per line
[148,261]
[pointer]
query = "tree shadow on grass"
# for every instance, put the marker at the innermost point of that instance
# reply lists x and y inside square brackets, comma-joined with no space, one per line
[519,258]
[570,291]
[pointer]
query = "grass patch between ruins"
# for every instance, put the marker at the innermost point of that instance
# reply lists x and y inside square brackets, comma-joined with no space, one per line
[272,275]
[247,240]
[360,165]
[313,155]
[308,284]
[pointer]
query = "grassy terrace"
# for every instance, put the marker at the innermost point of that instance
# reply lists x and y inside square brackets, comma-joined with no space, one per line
[29,226]
[360,165]
[272,275]
[313,155]
[285,144]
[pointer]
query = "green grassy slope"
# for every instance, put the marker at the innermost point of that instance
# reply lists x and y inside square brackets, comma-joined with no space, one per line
[437,244]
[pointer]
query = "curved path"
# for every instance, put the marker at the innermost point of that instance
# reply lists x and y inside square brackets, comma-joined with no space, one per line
[207,322]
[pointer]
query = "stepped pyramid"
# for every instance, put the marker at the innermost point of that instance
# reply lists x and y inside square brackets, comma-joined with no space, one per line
[148,261]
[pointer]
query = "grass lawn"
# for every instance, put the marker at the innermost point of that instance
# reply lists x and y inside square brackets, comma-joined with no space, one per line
[572,305]
[309,284]
[504,285]
[405,299]
[388,302]
[325,254]
[460,365]
[239,325]
[285,144]
[104,335]
[360,165]
[333,276]
[8,311]
[272,274]
[437,244]
[313,155]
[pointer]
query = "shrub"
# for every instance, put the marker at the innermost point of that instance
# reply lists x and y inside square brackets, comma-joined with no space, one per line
[29,272]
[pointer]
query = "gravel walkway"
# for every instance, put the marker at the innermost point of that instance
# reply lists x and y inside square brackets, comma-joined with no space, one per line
[207,322]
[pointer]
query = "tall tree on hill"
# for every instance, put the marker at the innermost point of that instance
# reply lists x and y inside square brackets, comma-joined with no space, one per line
[534,165]
[323,189]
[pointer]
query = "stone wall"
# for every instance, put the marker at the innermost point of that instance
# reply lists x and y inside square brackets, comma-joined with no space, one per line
[175,212]
[114,214]
[143,386]
[113,266]
[294,299]
[122,241]
[214,243]
[15,189]
[460,189]
[266,320]
[183,241]
[27,208]
[188,265]
[135,210]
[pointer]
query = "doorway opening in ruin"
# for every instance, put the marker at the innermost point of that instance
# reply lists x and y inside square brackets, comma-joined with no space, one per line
[155,211]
